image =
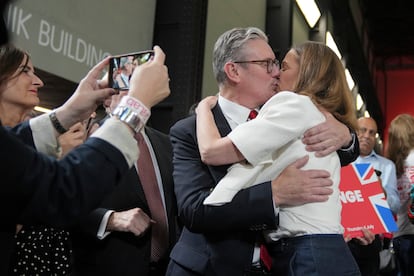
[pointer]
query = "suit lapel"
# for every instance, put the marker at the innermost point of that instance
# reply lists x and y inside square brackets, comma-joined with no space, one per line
[224,128]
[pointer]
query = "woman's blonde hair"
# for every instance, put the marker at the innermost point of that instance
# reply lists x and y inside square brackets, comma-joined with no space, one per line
[400,140]
[322,78]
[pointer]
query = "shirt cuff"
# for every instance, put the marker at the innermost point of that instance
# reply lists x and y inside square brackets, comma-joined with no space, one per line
[120,136]
[351,146]
[102,233]
[44,135]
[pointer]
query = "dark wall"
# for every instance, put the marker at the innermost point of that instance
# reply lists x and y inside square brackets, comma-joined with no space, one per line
[179,29]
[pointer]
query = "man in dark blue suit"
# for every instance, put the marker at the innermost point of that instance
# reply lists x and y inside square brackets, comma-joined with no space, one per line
[223,240]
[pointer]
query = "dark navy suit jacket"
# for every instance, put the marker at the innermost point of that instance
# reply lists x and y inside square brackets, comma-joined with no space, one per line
[37,189]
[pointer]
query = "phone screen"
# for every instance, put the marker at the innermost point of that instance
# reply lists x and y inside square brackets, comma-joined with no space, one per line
[122,66]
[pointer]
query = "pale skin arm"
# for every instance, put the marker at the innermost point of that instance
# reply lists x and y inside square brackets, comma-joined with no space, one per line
[214,149]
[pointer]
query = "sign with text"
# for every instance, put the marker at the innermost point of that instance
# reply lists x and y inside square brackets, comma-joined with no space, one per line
[67,38]
[363,201]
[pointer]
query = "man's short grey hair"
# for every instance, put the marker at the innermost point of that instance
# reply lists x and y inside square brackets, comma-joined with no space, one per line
[229,47]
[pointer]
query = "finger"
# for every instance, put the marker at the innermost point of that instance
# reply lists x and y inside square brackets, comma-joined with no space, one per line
[76,127]
[325,151]
[317,198]
[312,131]
[159,55]
[97,70]
[104,94]
[300,162]
[103,82]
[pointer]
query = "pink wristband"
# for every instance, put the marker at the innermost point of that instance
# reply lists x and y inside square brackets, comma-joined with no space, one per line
[139,108]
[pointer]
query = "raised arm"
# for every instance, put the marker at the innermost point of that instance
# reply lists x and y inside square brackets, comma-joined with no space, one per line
[214,149]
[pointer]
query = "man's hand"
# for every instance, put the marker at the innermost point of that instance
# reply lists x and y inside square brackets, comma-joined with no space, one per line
[90,92]
[150,82]
[296,187]
[134,220]
[327,137]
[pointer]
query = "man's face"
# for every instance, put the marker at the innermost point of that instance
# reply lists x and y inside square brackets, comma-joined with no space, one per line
[366,135]
[257,85]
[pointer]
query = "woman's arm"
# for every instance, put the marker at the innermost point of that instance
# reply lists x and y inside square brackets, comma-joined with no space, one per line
[214,149]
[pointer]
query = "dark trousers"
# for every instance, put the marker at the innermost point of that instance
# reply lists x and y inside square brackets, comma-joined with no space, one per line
[367,256]
[404,251]
[312,255]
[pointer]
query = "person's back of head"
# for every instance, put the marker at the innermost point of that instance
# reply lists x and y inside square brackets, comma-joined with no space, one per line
[322,78]
[400,140]
[229,47]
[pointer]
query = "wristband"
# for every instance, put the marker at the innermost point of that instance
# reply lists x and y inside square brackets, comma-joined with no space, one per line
[56,124]
[128,116]
[138,107]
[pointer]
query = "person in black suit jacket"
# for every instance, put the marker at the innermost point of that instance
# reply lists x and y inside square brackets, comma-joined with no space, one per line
[38,189]
[220,240]
[115,239]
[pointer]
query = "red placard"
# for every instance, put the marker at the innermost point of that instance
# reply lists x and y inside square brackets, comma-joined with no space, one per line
[363,201]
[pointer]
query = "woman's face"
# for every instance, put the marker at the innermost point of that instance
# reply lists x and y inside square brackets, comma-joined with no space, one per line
[22,88]
[289,71]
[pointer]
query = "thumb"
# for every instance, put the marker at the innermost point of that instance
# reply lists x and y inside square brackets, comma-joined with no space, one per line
[301,162]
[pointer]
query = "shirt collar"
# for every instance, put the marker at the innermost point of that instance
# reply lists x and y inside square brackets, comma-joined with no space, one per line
[235,114]
[372,154]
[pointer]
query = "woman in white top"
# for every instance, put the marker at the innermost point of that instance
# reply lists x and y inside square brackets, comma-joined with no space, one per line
[401,152]
[266,145]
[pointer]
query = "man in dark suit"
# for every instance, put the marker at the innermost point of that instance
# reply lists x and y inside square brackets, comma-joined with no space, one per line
[223,240]
[115,239]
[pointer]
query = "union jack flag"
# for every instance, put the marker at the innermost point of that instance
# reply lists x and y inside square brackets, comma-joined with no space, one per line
[363,201]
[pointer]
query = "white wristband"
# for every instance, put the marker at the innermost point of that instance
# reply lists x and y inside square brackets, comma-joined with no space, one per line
[138,107]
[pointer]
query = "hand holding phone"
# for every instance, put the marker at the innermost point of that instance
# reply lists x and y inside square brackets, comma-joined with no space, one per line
[122,66]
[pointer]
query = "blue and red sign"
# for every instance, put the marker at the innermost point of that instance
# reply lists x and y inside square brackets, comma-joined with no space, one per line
[363,201]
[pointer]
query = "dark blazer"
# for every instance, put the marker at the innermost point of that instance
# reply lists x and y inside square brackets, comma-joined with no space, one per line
[216,240]
[122,253]
[39,189]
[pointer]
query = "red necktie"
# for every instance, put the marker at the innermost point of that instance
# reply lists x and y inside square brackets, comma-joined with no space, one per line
[265,258]
[252,115]
[146,173]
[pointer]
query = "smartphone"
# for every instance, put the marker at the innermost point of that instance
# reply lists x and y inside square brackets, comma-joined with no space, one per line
[122,66]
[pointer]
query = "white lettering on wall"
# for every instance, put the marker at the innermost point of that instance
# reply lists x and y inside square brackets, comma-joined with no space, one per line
[54,37]
[16,20]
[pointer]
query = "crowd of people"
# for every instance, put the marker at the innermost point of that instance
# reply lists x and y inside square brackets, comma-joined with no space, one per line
[225,193]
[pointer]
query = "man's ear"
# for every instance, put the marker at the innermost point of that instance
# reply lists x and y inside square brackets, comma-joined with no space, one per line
[231,70]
